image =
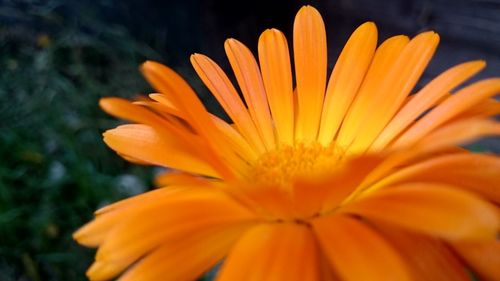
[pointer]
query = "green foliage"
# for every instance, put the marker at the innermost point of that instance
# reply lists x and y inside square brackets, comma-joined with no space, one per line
[55,170]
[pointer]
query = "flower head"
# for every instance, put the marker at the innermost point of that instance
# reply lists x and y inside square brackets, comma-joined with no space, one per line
[356,178]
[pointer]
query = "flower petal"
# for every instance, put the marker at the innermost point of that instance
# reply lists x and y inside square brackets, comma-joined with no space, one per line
[221,87]
[484,109]
[132,111]
[357,252]
[169,177]
[309,44]
[185,258]
[247,73]
[396,86]
[433,209]
[155,149]
[137,230]
[483,257]
[271,201]
[454,105]
[274,59]
[124,109]
[346,78]
[425,98]
[236,141]
[383,61]
[168,105]
[94,233]
[428,258]
[273,252]
[321,195]
[475,172]
[166,81]
[456,133]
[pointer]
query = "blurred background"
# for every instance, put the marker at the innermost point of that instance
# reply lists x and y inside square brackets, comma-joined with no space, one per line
[57,58]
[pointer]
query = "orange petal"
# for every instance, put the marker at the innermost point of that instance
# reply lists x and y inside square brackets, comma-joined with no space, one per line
[271,201]
[398,82]
[247,73]
[168,114]
[476,172]
[166,81]
[132,111]
[357,252]
[327,272]
[346,79]
[133,160]
[309,44]
[145,144]
[124,109]
[483,257]
[140,229]
[428,258]
[442,141]
[221,87]
[167,105]
[273,252]
[454,105]
[433,209]
[185,258]
[169,178]
[456,133]
[484,109]
[383,61]
[95,232]
[235,140]
[321,195]
[274,59]
[395,160]
[425,98]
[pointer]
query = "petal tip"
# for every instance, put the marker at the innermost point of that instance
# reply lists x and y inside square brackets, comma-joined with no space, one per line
[77,235]
[229,42]
[149,64]
[480,63]
[368,27]
[195,57]
[310,10]
[370,24]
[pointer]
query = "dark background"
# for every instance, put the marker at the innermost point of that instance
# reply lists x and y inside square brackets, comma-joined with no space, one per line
[57,58]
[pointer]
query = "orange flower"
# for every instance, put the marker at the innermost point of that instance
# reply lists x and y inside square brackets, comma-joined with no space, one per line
[354,179]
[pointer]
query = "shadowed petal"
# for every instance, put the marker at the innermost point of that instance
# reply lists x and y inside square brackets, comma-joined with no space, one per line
[428,258]
[357,252]
[272,252]
[483,257]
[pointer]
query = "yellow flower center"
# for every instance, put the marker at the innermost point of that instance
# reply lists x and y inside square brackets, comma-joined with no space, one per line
[281,166]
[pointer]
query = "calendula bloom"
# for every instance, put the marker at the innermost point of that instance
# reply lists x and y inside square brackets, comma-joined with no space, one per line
[355,179]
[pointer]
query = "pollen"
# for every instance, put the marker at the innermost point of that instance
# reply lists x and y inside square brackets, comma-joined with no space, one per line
[283,165]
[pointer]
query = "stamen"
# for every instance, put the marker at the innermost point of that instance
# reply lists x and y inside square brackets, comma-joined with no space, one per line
[281,166]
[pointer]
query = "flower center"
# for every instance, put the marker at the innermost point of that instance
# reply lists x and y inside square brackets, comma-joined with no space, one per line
[281,166]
